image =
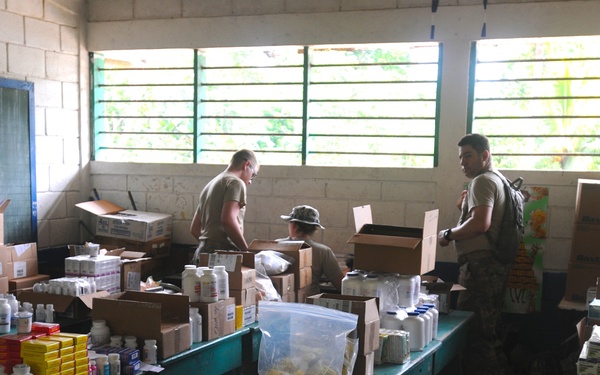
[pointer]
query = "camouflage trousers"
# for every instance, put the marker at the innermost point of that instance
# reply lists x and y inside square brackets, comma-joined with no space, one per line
[485,281]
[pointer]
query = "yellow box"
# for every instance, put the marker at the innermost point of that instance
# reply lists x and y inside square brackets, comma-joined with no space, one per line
[80,347]
[82,361]
[49,364]
[67,365]
[68,357]
[82,369]
[78,338]
[239,316]
[63,341]
[80,354]
[66,351]
[39,346]
[39,357]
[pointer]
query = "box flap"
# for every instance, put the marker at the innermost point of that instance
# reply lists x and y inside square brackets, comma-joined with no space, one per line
[276,245]
[381,240]
[126,254]
[362,216]
[431,223]
[370,314]
[61,303]
[232,262]
[100,207]
[3,204]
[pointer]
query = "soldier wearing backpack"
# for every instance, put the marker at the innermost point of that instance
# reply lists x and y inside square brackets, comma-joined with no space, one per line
[483,275]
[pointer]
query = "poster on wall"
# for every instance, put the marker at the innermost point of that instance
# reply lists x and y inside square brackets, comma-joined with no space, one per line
[524,292]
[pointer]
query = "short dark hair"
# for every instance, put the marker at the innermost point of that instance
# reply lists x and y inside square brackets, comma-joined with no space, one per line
[478,141]
[304,228]
[243,155]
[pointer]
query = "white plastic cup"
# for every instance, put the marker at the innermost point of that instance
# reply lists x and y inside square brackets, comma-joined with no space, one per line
[94,249]
[24,319]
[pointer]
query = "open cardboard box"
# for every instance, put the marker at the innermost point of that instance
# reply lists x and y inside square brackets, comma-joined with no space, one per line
[21,260]
[3,204]
[238,264]
[162,317]
[131,268]
[115,221]
[443,289]
[386,248]
[364,307]
[299,250]
[64,306]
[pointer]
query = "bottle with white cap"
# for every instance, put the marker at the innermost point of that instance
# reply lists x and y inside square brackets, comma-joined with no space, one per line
[436,317]
[5,316]
[150,352]
[222,282]
[208,286]
[40,313]
[415,326]
[50,313]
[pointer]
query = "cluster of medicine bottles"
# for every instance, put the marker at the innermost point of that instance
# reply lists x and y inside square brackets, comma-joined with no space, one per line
[403,303]
[205,284]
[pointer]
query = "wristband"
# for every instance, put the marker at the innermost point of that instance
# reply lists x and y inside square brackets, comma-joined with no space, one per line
[447,234]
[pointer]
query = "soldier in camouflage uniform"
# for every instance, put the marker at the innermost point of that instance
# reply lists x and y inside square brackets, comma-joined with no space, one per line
[482,206]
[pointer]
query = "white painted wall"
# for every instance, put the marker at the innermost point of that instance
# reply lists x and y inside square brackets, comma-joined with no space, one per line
[47,42]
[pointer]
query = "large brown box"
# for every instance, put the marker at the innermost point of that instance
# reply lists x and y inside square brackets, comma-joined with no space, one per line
[299,250]
[218,318]
[19,284]
[156,248]
[244,297]
[364,307]
[4,284]
[443,290]
[4,262]
[386,248]
[579,278]
[23,260]
[238,264]
[64,306]
[586,228]
[163,317]
[283,283]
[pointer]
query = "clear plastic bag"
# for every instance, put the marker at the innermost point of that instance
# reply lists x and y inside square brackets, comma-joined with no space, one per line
[302,338]
[273,262]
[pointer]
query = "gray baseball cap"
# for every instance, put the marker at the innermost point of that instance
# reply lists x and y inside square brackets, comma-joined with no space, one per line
[304,214]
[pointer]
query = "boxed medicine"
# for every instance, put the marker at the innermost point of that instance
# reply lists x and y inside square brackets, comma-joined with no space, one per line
[299,250]
[112,220]
[23,260]
[238,264]
[386,248]
[218,318]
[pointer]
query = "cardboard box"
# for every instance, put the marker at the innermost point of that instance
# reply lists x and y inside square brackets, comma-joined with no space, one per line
[289,297]
[23,268]
[283,283]
[218,318]
[579,278]
[3,204]
[131,268]
[586,228]
[15,285]
[238,264]
[386,248]
[3,284]
[244,297]
[299,250]
[156,248]
[443,289]
[64,306]
[164,317]
[4,262]
[364,307]
[114,221]
[301,294]
[365,364]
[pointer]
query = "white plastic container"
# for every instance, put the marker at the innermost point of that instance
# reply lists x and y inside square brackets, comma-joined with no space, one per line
[351,284]
[50,313]
[150,352]
[21,369]
[131,342]
[115,341]
[428,324]
[208,286]
[114,362]
[14,308]
[222,282]
[102,364]
[5,316]
[40,313]
[189,279]
[370,286]
[391,320]
[436,318]
[415,326]
[100,333]
[406,285]
[196,324]
[24,320]
[416,289]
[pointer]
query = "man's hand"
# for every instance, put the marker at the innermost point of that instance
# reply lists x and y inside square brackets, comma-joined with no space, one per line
[442,240]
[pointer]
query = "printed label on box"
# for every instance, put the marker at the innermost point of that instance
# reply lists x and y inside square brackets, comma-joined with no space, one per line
[19,269]
[229,261]
[230,313]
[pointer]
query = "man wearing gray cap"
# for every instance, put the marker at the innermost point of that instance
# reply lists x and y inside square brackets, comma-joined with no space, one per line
[303,223]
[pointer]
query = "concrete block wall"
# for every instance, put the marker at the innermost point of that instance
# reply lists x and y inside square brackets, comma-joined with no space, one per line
[40,42]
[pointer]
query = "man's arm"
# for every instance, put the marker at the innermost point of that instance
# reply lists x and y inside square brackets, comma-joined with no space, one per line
[196,226]
[231,226]
[479,222]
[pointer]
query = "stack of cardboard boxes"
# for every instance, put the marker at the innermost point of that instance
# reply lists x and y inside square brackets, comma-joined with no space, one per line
[18,262]
[294,284]
[147,233]
[584,263]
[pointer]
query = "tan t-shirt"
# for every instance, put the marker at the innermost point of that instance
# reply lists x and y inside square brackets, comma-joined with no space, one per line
[223,188]
[485,189]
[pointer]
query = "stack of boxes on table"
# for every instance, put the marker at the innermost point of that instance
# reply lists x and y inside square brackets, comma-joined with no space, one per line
[18,262]
[589,334]
[46,351]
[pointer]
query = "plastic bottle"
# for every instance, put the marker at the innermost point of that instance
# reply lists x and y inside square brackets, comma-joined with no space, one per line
[406,290]
[208,286]
[114,362]
[14,308]
[102,364]
[391,320]
[189,277]
[370,286]
[415,326]
[196,324]
[50,313]
[131,342]
[416,288]
[150,352]
[5,316]
[40,313]
[115,341]
[436,318]
[351,284]
[222,282]
[100,333]
[93,370]
[428,324]
[21,369]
